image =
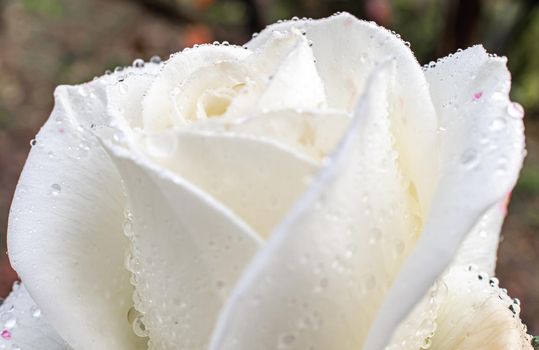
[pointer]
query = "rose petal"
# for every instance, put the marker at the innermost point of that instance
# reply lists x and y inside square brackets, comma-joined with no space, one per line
[125,95]
[231,82]
[295,83]
[257,179]
[324,271]
[157,106]
[346,51]
[187,251]
[65,225]
[480,245]
[23,326]
[475,314]
[479,165]
[314,134]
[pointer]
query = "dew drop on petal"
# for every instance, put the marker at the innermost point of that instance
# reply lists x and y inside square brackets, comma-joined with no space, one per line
[515,110]
[35,311]
[468,159]
[286,340]
[374,236]
[499,98]
[132,314]
[497,124]
[155,59]
[139,327]
[56,189]
[10,323]
[33,142]
[138,63]
[515,309]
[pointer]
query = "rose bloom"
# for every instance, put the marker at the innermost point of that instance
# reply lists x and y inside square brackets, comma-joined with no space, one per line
[314,189]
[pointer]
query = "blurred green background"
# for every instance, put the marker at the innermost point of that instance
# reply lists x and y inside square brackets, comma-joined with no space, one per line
[44,43]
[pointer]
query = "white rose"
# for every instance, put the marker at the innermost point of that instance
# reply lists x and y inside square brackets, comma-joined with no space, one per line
[316,189]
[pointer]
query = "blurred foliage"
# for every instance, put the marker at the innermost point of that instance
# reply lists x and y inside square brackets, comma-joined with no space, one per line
[50,8]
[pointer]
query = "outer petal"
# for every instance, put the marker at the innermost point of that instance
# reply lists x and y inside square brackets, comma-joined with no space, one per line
[320,278]
[258,180]
[187,251]
[480,245]
[65,226]
[23,325]
[476,314]
[346,51]
[479,166]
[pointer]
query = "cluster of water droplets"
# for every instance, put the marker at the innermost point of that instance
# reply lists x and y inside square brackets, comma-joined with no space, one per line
[134,316]
[137,63]
[513,304]
[10,322]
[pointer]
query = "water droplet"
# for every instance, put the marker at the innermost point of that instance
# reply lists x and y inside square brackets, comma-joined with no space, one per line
[323,284]
[219,285]
[132,314]
[515,110]
[398,249]
[226,43]
[155,59]
[56,189]
[10,323]
[255,35]
[497,124]
[118,137]
[427,342]
[482,276]
[216,43]
[139,327]
[368,282]
[468,159]
[118,69]
[138,63]
[286,340]
[123,87]
[35,311]
[375,236]
[515,309]
[494,282]
[83,150]
[33,142]
[499,98]
[128,228]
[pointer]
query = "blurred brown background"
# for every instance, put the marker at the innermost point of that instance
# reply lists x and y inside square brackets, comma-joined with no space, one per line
[44,43]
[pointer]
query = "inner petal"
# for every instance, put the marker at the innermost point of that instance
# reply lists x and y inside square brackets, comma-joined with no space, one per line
[214,103]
